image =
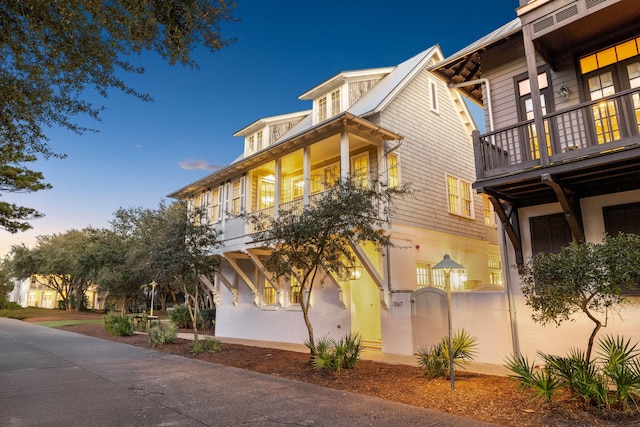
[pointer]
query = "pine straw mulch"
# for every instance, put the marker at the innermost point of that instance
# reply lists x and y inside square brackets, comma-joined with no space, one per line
[493,399]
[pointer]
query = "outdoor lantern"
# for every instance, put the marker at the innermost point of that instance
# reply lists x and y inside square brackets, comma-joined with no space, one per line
[447,264]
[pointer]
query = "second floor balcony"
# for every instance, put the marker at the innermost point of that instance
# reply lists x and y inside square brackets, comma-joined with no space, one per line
[590,147]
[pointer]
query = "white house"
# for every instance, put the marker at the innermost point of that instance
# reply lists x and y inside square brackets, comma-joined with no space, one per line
[401,124]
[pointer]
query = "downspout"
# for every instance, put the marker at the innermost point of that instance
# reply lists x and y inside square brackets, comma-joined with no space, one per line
[504,251]
[387,250]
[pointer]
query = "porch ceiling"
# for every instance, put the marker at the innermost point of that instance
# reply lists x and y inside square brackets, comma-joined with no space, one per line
[361,131]
[611,173]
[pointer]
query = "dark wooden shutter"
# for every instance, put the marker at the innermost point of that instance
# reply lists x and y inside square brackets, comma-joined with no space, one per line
[622,219]
[549,233]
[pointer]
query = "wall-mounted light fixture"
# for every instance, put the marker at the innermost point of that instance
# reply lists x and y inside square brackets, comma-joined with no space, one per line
[563,92]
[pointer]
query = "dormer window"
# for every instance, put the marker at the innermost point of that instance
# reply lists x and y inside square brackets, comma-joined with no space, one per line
[329,106]
[259,145]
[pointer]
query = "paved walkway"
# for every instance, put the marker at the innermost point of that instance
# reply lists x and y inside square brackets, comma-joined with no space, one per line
[51,377]
[394,359]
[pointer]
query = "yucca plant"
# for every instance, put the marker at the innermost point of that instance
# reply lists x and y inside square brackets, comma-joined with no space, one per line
[335,355]
[542,382]
[435,359]
[118,324]
[622,366]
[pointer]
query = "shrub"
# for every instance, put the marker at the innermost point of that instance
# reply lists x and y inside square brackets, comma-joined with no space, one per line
[335,355]
[162,334]
[208,318]
[182,319]
[208,345]
[435,359]
[10,305]
[118,324]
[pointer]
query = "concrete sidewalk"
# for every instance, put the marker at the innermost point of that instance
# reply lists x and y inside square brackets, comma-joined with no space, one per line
[376,356]
[52,377]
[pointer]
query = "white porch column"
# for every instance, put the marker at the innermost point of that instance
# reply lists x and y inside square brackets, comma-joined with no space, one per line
[345,161]
[306,174]
[278,187]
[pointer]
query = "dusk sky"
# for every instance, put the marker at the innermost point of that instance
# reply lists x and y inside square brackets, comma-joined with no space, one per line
[144,151]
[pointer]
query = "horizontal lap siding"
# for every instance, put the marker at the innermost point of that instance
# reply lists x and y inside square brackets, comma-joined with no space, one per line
[434,144]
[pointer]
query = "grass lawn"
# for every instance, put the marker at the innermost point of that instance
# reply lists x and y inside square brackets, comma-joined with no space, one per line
[63,323]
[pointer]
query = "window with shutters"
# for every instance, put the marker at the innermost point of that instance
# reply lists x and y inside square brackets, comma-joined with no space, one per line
[549,233]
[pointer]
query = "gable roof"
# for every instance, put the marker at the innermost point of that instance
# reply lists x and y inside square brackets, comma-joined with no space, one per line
[372,102]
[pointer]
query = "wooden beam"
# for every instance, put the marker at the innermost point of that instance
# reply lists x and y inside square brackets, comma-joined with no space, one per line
[570,206]
[508,217]
[258,263]
[227,283]
[232,262]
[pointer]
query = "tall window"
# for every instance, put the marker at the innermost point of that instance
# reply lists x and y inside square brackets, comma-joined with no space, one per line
[251,144]
[259,141]
[297,187]
[360,169]
[237,196]
[489,212]
[205,203]
[526,112]
[269,294]
[267,192]
[549,233]
[322,109]
[495,272]
[335,102]
[423,272]
[606,72]
[331,174]
[459,197]
[294,291]
[215,205]
[394,176]
[434,102]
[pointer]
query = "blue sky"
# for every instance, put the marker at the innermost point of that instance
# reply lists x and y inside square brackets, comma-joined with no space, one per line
[144,151]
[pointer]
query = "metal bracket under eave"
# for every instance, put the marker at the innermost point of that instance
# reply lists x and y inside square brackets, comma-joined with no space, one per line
[570,206]
[508,219]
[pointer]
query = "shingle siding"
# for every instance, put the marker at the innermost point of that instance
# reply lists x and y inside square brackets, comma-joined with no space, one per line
[435,144]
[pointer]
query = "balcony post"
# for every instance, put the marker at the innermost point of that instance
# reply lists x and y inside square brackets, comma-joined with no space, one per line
[345,163]
[278,187]
[478,154]
[532,69]
[306,174]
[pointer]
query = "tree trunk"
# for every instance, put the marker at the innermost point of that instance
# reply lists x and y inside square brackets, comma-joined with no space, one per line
[312,342]
[592,336]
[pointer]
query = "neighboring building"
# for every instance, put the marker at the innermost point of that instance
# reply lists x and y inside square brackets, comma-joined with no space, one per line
[568,70]
[400,124]
[33,292]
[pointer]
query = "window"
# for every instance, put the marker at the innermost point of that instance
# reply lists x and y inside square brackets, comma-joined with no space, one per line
[215,204]
[331,174]
[423,272]
[394,176]
[297,187]
[549,233]
[495,272]
[525,111]
[269,294]
[205,203]
[251,144]
[267,188]
[433,101]
[360,169]
[489,212]
[322,109]
[622,219]
[237,196]
[335,102]
[294,291]
[259,141]
[460,199]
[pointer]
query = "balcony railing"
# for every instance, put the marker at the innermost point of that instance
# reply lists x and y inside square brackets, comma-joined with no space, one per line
[589,129]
